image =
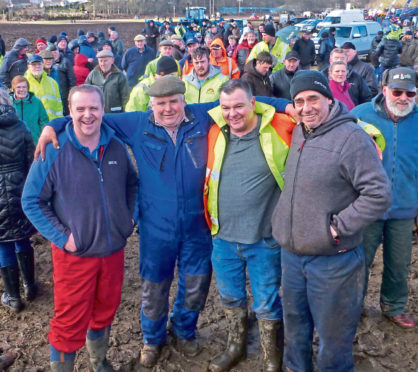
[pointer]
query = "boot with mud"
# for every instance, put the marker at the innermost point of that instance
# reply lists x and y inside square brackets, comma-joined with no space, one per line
[236,348]
[271,340]
[6,360]
[189,348]
[11,298]
[27,268]
[150,355]
[67,366]
[97,349]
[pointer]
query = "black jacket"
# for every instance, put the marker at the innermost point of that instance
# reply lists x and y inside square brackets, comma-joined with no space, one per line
[66,77]
[280,80]
[148,32]
[16,155]
[260,85]
[359,90]
[388,52]
[372,53]
[367,73]
[306,51]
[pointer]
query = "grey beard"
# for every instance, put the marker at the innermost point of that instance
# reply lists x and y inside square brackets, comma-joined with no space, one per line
[399,113]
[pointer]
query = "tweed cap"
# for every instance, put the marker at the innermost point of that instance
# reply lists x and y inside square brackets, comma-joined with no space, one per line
[104,53]
[176,37]
[46,54]
[166,86]
[139,37]
[166,43]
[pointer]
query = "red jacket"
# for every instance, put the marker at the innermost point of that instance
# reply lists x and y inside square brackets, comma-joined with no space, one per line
[80,70]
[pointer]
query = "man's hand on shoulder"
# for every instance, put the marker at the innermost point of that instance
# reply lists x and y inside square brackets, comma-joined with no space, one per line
[70,245]
[291,111]
[48,135]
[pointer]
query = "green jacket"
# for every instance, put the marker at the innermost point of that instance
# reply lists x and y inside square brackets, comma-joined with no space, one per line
[139,99]
[210,89]
[115,88]
[31,111]
[278,51]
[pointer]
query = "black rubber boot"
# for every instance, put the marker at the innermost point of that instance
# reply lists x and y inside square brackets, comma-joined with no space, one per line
[236,348]
[11,298]
[271,339]
[27,268]
[97,350]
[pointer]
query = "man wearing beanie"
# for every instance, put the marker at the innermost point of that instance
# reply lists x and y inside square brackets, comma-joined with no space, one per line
[41,45]
[139,98]
[204,82]
[169,144]
[335,186]
[276,47]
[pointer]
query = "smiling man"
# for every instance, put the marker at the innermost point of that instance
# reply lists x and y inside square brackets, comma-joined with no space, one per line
[86,211]
[395,114]
[335,186]
[248,147]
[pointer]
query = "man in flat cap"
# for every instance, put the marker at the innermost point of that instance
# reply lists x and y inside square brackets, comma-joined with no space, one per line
[169,144]
[166,49]
[111,81]
[136,59]
[395,114]
[335,186]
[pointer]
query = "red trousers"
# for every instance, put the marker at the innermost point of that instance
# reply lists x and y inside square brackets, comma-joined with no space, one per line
[87,292]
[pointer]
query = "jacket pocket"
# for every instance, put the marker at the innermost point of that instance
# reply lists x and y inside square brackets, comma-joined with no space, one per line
[271,243]
[155,154]
[196,147]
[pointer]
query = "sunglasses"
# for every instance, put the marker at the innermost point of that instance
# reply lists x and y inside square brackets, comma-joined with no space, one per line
[398,93]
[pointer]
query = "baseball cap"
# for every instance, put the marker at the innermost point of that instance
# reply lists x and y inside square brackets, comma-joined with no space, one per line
[349,45]
[401,78]
[35,58]
[292,55]
[192,40]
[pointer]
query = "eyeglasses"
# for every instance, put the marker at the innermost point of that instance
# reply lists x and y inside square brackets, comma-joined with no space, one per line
[398,93]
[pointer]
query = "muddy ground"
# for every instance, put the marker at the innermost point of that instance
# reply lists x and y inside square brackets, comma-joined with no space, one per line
[379,346]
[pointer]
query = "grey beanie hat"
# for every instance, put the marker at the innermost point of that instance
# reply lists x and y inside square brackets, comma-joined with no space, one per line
[310,80]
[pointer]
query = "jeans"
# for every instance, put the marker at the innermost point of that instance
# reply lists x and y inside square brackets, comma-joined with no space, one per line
[262,260]
[8,251]
[325,293]
[397,247]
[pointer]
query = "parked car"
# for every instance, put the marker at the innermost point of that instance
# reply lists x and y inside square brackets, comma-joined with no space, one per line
[361,34]
[337,17]
[311,25]
[300,25]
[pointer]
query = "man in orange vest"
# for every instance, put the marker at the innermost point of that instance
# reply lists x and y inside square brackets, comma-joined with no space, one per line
[247,151]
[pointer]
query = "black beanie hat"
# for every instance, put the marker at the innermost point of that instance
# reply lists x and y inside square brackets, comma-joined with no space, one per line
[269,30]
[310,80]
[166,65]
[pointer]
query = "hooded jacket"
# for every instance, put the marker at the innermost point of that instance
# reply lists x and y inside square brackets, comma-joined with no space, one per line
[32,112]
[228,65]
[260,84]
[16,155]
[85,47]
[80,68]
[400,156]
[13,63]
[206,91]
[388,52]
[333,177]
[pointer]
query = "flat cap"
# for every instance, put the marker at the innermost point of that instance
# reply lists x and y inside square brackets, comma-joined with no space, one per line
[104,53]
[166,43]
[46,54]
[166,86]
[139,37]
[176,37]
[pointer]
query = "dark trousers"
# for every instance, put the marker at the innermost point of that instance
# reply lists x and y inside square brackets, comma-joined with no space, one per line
[325,293]
[396,236]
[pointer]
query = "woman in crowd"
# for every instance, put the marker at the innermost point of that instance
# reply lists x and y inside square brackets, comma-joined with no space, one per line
[338,84]
[28,107]
[16,155]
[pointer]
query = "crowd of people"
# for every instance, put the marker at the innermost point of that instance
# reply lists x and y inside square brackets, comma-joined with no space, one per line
[248,160]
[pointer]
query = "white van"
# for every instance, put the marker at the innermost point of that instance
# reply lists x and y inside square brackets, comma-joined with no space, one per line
[341,16]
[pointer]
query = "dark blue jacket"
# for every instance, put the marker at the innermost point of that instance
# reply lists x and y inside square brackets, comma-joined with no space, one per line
[171,176]
[400,156]
[72,192]
[134,63]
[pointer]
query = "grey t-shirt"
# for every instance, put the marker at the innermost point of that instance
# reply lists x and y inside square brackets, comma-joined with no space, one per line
[248,192]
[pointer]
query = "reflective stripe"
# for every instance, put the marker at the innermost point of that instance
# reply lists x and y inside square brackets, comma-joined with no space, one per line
[215,175]
[214,220]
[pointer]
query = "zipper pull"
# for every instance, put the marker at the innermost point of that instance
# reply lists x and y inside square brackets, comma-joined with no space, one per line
[301,146]
[101,175]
